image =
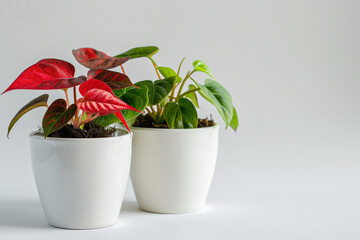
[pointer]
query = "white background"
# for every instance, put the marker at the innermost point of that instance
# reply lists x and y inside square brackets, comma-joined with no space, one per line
[293,69]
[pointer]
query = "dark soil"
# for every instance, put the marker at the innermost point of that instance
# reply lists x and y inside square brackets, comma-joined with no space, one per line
[146,121]
[90,130]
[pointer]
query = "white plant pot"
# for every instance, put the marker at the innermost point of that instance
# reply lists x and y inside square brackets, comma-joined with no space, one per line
[81,182]
[172,169]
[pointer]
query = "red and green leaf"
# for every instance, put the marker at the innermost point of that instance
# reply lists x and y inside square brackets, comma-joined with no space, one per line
[47,74]
[114,79]
[99,101]
[94,59]
[40,101]
[57,116]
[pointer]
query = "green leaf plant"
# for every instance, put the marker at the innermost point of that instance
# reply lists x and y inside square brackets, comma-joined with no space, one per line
[171,99]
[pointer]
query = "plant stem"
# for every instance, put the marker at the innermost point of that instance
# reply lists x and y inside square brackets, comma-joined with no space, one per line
[67,96]
[150,112]
[173,92]
[88,119]
[178,72]
[171,98]
[82,115]
[155,66]
[153,110]
[189,91]
[122,69]
[75,102]
[183,83]
[159,109]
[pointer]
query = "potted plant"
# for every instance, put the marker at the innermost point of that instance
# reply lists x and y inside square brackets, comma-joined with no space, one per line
[80,168]
[174,152]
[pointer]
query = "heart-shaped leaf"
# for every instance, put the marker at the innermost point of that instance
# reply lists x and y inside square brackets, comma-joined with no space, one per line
[192,95]
[93,83]
[98,101]
[40,101]
[94,59]
[219,97]
[158,90]
[57,116]
[168,72]
[200,66]
[137,98]
[234,123]
[181,115]
[114,79]
[138,52]
[47,74]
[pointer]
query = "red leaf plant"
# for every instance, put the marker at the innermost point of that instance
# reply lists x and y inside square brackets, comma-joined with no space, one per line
[98,98]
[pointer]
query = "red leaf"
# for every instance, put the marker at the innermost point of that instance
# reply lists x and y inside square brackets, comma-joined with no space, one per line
[114,79]
[99,101]
[93,83]
[122,119]
[94,59]
[47,74]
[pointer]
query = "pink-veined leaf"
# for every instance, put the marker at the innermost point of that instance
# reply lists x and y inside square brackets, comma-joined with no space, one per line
[114,79]
[102,102]
[47,74]
[93,83]
[57,116]
[99,101]
[94,59]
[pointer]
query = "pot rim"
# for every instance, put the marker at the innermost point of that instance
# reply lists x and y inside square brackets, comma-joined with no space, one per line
[32,135]
[175,129]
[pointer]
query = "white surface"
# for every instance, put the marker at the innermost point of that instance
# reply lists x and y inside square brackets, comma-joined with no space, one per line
[81,182]
[172,169]
[292,67]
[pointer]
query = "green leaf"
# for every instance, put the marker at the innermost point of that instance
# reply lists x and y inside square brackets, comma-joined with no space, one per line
[181,115]
[192,96]
[40,101]
[200,66]
[135,97]
[158,90]
[163,102]
[139,52]
[57,116]
[168,72]
[219,97]
[234,123]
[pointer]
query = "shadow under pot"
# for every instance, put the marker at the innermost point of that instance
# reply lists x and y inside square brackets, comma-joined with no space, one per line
[81,182]
[172,169]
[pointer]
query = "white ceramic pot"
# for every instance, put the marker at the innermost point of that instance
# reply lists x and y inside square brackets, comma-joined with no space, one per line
[172,169]
[81,182]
